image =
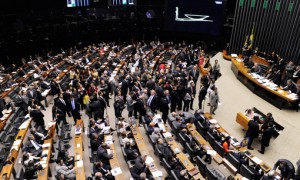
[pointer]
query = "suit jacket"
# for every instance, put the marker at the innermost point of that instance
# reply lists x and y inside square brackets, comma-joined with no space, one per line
[130,104]
[61,105]
[202,93]
[33,96]
[154,103]
[102,154]
[195,74]
[214,99]
[253,129]
[70,108]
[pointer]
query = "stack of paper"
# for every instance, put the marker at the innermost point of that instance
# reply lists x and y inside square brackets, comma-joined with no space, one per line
[149,160]
[116,171]
[212,152]
[257,160]
[157,174]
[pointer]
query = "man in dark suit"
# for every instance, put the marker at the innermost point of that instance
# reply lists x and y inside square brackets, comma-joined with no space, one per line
[253,131]
[103,155]
[61,103]
[33,146]
[152,102]
[267,135]
[192,91]
[194,73]
[73,107]
[164,105]
[124,88]
[31,94]
[37,116]
[202,94]
[287,169]
[97,107]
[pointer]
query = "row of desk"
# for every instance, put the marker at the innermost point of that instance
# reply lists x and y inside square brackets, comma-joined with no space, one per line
[143,150]
[47,150]
[78,149]
[278,98]
[15,149]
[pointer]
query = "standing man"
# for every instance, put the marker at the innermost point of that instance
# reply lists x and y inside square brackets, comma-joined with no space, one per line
[202,94]
[195,73]
[164,105]
[152,101]
[266,136]
[214,100]
[252,132]
[73,107]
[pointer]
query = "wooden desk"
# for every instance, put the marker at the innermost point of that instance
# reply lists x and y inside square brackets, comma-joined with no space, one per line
[184,160]
[197,136]
[226,56]
[114,163]
[260,60]
[78,151]
[242,120]
[6,93]
[5,118]
[142,147]
[47,148]
[277,98]
[6,171]
[238,177]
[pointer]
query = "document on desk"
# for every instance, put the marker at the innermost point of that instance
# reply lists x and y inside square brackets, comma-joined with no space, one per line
[79,163]
[45,152]
[213,121]
[46,145]
[257,160]
[24,125]
[157,174]
[116,171]
[149,160]
[212,152]
[167,134]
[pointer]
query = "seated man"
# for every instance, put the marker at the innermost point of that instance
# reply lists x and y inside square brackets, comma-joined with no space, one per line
[165,150]
[156,134]
[290,86]
[102,153]
[33,146]
[178,123]
[151,128]
[31,170]
[256,69]
[287,169]
[201,152]
[104,170]
[68,172]
[140,167]
[95,142]
[130,152]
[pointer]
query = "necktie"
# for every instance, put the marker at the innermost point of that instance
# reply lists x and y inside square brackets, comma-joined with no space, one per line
[149,101]
[73,105]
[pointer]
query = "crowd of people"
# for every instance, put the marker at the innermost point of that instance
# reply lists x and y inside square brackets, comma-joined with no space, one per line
[139,87]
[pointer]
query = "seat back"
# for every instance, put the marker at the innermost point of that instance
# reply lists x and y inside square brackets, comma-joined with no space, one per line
[173,176]
[158,152]
[211,174]
[189,150]
[246,172]
[124,153]
[200,128]
[181,139]
[219,148]
[235,162]
[166,165]
[210,139]
[201,165]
